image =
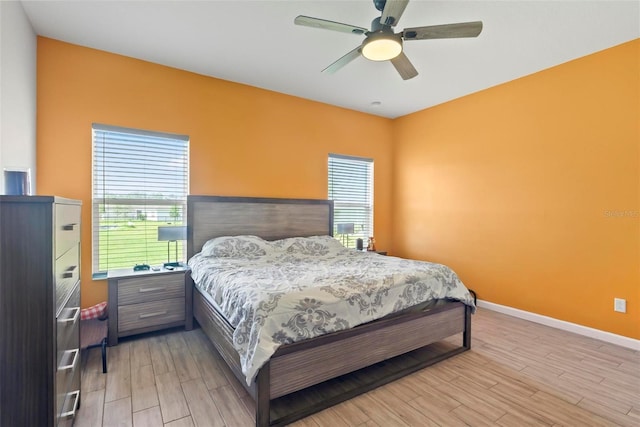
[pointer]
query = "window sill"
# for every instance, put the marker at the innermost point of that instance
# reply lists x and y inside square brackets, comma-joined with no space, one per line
[99,276]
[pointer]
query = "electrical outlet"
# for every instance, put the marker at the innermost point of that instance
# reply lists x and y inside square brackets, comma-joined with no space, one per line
[620,305]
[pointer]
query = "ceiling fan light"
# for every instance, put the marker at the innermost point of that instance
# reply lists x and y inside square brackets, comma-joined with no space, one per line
[382,48]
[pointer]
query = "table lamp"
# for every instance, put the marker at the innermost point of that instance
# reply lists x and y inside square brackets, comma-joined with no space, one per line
[345,229]
[172,233]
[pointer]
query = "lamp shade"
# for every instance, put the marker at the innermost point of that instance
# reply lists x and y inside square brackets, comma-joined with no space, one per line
[382,46]
[172,232]
[345,228]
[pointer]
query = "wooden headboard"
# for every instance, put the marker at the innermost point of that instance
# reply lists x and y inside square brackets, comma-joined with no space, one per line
[271,219]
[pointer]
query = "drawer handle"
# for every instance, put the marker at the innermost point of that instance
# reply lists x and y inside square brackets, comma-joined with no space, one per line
[69,272]
[72,365]
[159,288]
[72,319]
[69,227]
[157,313]
[72,412]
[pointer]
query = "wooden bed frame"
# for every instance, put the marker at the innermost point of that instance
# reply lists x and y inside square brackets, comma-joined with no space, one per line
[305,377]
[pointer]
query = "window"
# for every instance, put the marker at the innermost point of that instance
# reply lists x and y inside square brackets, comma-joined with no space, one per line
[140,182]
[351,189]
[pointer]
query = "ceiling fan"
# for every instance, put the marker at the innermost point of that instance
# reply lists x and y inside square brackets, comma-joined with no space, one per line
[382,44]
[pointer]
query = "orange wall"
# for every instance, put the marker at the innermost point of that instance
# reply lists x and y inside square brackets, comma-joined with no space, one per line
[514,186]
[244,141]
[510,186]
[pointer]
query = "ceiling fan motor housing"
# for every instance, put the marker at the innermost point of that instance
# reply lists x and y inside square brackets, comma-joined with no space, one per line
[376,25]
[379,4]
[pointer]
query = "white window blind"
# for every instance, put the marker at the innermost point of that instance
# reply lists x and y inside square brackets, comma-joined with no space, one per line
[351,189]
[140,182]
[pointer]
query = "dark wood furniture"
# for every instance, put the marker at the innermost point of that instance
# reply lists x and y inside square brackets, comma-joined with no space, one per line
[308,376]
[380,252]
[144,301]
[39,310]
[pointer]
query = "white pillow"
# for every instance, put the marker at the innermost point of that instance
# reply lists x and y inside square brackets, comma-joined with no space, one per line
[313,245]
[236,247]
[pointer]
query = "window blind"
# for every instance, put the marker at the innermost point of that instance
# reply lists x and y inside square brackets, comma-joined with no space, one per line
[351,189]
[140,182]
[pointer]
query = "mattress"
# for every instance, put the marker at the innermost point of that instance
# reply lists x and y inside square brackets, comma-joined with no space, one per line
[276,293]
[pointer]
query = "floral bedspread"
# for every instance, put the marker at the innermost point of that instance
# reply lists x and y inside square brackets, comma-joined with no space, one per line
[275,293]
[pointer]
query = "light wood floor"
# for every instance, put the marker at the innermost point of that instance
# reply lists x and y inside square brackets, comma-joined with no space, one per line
[517,373]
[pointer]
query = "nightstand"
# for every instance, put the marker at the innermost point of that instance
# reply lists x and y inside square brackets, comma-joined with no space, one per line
[378,252]
[145,301]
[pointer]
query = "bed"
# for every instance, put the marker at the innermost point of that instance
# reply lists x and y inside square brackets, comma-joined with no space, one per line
[308,375]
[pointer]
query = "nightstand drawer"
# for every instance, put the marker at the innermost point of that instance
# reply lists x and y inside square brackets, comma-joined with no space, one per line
[136,316]
[150,288]
[67,227]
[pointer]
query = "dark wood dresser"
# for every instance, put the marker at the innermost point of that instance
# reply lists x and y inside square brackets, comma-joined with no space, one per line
[39,310]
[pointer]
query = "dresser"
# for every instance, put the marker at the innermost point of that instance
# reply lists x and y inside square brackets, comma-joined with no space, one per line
[148,300]
[39,310]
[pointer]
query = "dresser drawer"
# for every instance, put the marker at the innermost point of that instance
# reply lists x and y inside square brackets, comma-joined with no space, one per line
[67,273]
[68,324]
[70,402]
[67,227]
[151,288]
[66,380]
[152,313]
[67,347]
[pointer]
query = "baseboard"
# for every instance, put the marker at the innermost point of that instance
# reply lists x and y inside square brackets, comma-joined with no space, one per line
[565,326]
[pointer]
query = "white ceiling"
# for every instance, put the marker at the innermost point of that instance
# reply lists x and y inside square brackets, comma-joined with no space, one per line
[256,43]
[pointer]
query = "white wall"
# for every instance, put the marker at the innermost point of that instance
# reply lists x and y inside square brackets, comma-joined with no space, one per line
[18,44]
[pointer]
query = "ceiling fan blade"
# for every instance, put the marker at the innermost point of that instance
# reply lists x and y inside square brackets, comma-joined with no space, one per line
[392,12]
[308,21]
[404,67]
[343,61]
[446,31]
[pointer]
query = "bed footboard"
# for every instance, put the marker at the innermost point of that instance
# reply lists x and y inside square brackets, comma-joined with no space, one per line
[308,363]
[306,380]
[309,376]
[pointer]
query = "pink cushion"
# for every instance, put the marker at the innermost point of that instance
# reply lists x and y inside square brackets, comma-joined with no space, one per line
[98,311]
